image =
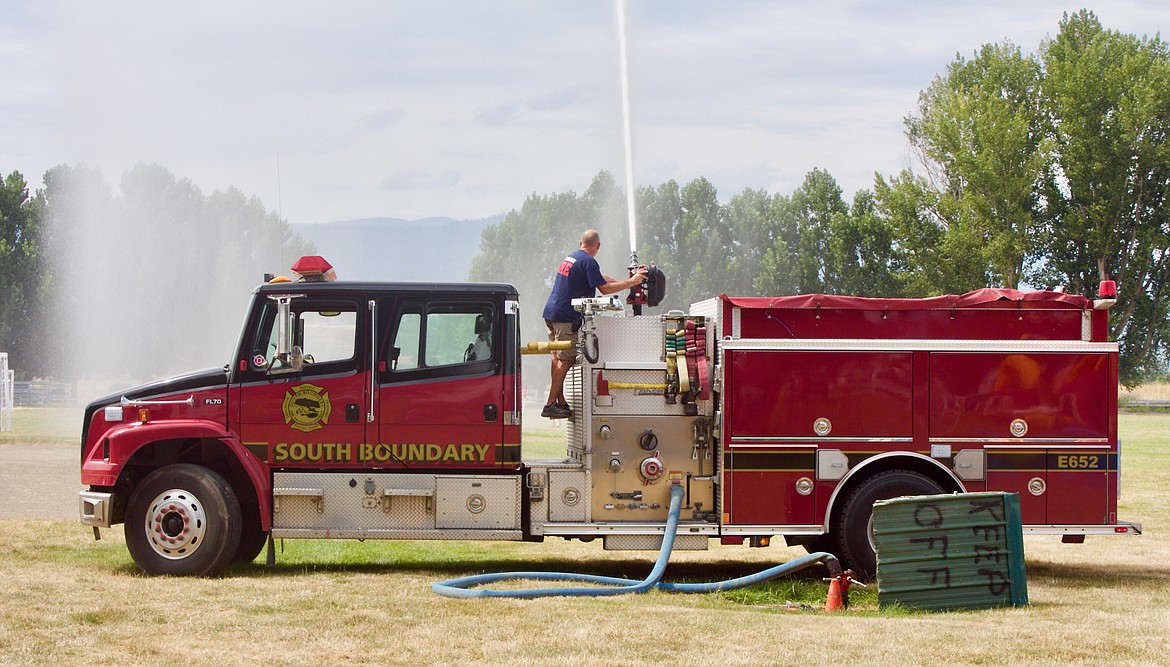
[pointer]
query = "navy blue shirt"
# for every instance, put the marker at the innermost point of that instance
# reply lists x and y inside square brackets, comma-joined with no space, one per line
[577,276]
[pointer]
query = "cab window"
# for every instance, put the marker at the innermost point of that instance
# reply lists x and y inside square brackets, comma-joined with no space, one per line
[438,338]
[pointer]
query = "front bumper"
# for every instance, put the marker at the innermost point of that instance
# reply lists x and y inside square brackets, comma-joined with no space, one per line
[95,508]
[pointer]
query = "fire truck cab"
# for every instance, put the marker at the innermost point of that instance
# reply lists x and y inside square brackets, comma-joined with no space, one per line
[393,411]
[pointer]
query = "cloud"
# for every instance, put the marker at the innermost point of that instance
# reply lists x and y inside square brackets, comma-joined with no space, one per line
[556,100]
[380,120]
[488,101]
[499,115]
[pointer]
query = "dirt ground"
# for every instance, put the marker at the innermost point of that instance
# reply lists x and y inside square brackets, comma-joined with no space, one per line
[39,481]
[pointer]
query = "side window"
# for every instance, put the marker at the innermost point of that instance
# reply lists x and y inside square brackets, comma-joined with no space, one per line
[404,356]
[441,338]
[453,338]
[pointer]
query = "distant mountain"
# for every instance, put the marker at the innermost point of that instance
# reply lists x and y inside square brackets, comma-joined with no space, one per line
[390,249]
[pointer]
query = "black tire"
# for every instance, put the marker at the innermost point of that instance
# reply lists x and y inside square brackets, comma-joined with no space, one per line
[183,520]
[252,536]
[853,532]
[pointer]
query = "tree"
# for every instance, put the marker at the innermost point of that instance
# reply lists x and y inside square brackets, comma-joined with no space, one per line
[704,249]
[749,216]
[1107,100]
[859,252]
[928,256]
[659,210]
[1051,170]
[77,202]
[814,207]
[703,240]
[817,243]
[22,284]
[979,135]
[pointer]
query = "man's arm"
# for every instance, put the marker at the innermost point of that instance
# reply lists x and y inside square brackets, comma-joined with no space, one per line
[612,285]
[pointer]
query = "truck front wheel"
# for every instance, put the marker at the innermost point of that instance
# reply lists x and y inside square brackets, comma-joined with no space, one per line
[853,533]
[183,519]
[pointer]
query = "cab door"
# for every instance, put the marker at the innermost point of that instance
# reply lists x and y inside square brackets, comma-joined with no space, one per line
[314,415]
[440,388]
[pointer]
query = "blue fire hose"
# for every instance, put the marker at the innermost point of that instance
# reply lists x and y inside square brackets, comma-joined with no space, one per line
[463,586]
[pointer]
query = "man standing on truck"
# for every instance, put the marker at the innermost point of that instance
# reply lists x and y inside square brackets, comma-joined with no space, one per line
[577,277]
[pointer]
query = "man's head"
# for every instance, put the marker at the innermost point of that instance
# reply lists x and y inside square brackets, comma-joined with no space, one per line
[591,241]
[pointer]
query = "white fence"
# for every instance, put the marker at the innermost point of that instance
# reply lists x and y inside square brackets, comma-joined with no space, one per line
[7,381]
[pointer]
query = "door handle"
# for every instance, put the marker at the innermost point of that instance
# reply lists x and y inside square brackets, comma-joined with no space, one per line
[490,413]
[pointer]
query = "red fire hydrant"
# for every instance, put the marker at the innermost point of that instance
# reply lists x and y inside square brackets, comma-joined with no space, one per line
[839,590]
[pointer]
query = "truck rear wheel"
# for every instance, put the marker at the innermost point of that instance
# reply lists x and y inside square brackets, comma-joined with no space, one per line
[853,533]
[183,519]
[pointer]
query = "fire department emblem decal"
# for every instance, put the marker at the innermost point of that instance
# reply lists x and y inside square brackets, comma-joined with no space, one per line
[306,407]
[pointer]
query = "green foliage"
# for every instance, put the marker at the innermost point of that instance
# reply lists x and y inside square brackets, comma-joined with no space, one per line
[23,283]
[1108,102]
[818,243]
[928,257]
[1050,170]
[978,133]
[696,241]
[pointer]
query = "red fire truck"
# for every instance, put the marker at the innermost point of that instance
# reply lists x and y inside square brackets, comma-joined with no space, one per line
[359,410]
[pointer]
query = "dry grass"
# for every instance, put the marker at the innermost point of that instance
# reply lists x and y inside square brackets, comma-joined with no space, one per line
[1154,390]
[69,600]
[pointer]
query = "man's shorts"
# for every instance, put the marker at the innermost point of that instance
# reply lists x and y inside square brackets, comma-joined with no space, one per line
[562,331]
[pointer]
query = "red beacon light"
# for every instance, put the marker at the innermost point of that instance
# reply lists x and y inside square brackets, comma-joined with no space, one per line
[314,269]
[1108,290]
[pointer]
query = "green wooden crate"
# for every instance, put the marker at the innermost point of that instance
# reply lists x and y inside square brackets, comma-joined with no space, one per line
[957,551]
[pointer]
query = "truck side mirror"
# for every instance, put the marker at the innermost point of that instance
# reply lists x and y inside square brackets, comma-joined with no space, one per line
[288,362]
[289,357]
[296,360]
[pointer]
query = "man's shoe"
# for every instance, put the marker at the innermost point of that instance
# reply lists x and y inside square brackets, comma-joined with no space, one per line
[555,411]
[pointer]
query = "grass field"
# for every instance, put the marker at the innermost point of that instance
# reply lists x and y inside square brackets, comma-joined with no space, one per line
[70,600]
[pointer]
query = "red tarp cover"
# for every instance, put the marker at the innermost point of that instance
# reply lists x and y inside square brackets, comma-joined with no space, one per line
[981,298]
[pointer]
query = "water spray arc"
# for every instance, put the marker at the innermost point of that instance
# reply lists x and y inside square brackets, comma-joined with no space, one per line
[625,78]
[650,292]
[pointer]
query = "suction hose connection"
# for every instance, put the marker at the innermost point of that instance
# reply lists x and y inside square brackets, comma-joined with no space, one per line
[463,587]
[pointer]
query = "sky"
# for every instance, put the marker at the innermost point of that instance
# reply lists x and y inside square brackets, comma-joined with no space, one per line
[347,110]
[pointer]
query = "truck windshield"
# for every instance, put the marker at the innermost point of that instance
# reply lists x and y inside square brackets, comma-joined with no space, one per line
[324,331]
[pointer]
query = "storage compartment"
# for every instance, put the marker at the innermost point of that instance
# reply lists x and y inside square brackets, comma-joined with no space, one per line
[567,496]
[465,501]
